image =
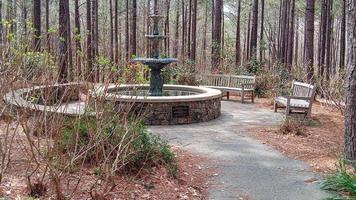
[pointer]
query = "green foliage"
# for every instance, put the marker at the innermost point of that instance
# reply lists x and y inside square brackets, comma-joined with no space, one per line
[343,181]
[127,142]
[182,73]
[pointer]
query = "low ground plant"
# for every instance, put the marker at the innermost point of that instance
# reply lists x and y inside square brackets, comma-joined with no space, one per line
[343,182]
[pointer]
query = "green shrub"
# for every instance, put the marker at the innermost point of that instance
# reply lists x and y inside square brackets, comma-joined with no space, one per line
[343,182]
[110,141]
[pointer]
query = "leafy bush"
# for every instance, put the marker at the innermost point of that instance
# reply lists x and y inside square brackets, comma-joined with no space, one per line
[343,181]
[109,141]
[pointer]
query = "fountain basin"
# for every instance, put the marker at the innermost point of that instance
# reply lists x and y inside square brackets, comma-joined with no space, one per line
[198,105]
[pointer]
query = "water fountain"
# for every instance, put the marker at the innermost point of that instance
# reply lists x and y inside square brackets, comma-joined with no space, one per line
[156,64]
[159,104]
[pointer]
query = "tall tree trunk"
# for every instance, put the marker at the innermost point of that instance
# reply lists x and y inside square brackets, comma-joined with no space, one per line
[328,55]
[262,29]
[89,72]
[127,40]
[48,38]
[189,28]
[194,32]
[204,49]
[111,52]
[254,29]
[216,42]
[291,37]
[63,46]
[309,39]
[1,27]
[78,47]
[133,27]
[176,34]
[37,25]
[116,31]
[343,35]
[237,42]
[184,30]
[322,39]
[23,17]
[350,111]
[166,29]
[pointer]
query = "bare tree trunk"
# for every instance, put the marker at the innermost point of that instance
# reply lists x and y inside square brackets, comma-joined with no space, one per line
[1,27]
[63,46]
[328,56]
[194,32]
[184,29]
[350,111]
[133,27]
[89,72]
[78,47]
[166,29]
[216,42]
[204,49]
[176,34]
[254,29]
[48,37]
[111,52]
[127,40]
[37,25]
[309,39]
[262,29]
[343,35]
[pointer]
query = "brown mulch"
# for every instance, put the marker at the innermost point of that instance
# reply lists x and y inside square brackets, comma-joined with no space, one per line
[192,179]
[321,145]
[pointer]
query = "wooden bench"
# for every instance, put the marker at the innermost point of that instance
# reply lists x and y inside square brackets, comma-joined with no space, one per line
[231,83]
[300,100]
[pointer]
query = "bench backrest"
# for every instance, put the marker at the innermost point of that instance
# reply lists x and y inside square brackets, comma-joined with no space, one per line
[300,89]
[234,81]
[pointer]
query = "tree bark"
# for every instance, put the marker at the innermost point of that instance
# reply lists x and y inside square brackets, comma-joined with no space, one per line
[89,72]
[216,42]
[37,25]
[1,26]
[262,29]
[254,29]
[176,34]
[309,39]
[350,111]
[127,30]
[194,32]
[343,35]
[111,52]
[237,42]
[48,37]
[63,46]
[133,27]
[78,47]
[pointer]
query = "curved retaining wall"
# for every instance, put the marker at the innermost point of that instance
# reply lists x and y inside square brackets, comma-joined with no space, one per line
[169,110]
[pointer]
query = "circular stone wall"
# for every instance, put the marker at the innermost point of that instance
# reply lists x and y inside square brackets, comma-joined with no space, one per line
[203,106]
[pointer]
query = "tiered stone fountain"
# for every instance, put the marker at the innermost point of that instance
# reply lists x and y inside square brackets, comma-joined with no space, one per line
[156,64]
[159,104]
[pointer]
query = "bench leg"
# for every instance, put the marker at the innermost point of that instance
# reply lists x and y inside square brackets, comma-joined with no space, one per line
[228,95]
[253,97]
[275,106]
[287,110]
[242,96]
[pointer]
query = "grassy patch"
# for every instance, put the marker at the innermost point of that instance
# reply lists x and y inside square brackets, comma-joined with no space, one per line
[343,182]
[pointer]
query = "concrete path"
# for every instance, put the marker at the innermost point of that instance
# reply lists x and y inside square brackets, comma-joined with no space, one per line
[247,168]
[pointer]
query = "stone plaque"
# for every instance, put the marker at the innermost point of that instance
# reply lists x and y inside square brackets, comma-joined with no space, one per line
[180,111]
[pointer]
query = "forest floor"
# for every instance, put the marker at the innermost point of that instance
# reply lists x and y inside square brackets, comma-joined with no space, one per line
[191,182]
[321,145]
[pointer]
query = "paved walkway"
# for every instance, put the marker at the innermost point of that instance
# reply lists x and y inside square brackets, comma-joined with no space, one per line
[246,167]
